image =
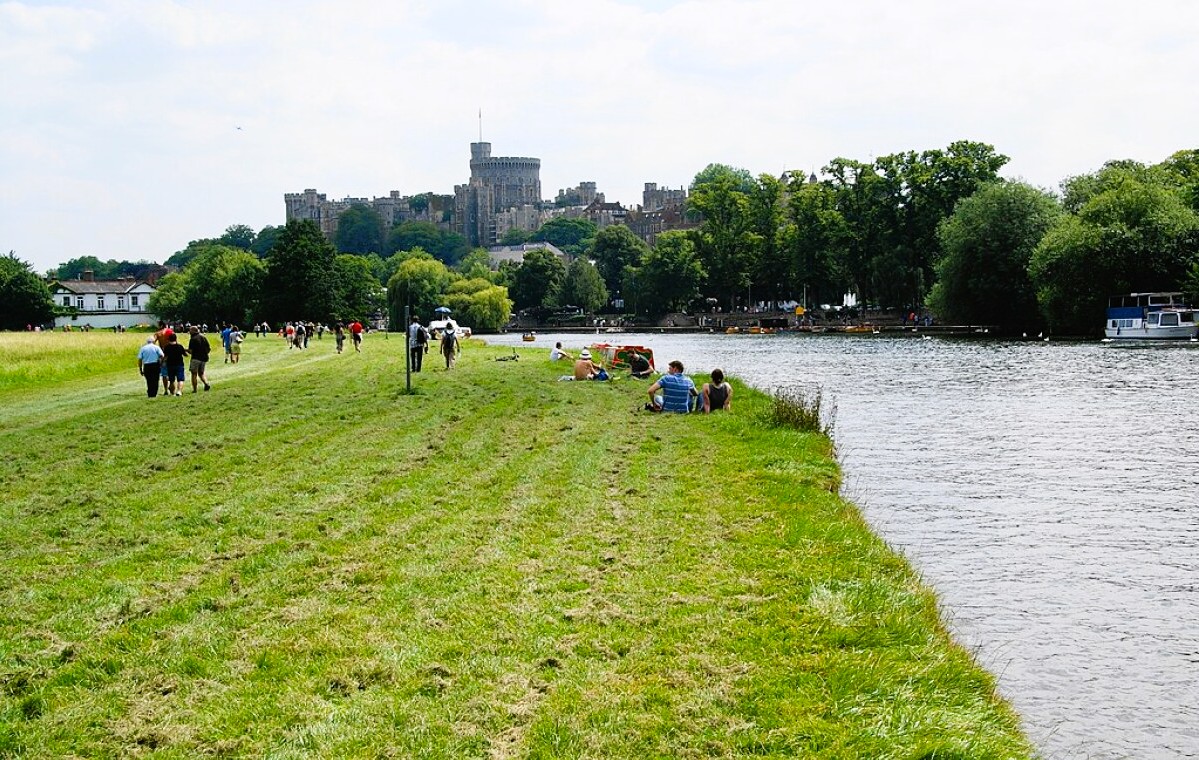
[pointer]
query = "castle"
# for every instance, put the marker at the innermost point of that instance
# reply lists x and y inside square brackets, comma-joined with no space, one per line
[503,193]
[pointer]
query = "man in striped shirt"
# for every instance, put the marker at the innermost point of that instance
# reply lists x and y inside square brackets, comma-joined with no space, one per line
[677,390]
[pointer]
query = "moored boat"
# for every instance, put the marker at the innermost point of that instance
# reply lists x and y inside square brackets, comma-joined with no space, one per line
[618,356]
[1150,316]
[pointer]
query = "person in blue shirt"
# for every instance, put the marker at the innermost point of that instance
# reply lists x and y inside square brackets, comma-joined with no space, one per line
[677,390]
[149,359]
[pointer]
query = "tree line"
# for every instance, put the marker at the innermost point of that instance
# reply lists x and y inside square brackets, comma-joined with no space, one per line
[936,229]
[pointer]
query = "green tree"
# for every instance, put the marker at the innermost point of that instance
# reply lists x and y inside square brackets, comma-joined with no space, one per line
[1130,233]
[813,241]
[169,299]
[265,240]
[741,179]
[74,268]
[238,236]
[987,244]
[582,286]
[616,247]
[571,235]
[476,264]
[537,281]
[479,304]
[222,284]
[514,236]
[24,297]
[768,262]
[299,278]
[445,246]
[357,294]
[359,230]
[671,274]
[726,241]
[420,282]
[181,259]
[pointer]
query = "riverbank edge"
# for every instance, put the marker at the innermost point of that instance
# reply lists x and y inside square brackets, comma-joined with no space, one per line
[774,623]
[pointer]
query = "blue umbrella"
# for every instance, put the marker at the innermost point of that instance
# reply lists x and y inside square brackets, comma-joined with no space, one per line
[441,310]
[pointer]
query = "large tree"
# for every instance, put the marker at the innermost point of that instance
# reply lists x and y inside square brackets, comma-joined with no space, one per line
[169,299]
[572,235]
[479,304]
[670,275]
[420,283]
[584,287]
[238,236]
[265,240]
[813,240]
[448,247]
[1130,232]
[299,278]
[24,297]
[357,294]
[223,284]
[615,248]
[359,230]
[538,279]
[726,241]
[987,244]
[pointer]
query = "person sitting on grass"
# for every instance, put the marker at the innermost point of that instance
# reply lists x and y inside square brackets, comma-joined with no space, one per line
[717,394]
[585,369]
[557,353]
[677,390]
[639,366]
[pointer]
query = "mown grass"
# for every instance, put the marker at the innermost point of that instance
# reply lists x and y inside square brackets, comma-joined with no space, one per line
[308,562]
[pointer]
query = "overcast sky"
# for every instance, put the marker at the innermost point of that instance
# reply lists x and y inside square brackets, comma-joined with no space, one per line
[129,127]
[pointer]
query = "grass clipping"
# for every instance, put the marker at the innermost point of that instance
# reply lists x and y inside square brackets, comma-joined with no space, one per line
[308,562]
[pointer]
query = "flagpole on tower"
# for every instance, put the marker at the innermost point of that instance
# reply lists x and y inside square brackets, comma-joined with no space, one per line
[480,125]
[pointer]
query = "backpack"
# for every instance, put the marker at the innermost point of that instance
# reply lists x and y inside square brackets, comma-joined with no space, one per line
[422,335]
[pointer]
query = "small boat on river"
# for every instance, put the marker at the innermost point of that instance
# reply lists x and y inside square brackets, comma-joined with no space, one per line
[1150,316]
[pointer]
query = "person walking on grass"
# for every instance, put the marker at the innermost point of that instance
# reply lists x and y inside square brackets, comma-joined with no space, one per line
[175,353]
[418,344]
[200,350]
[236,338]
[225,342]
[356,335]
[449,343]
[339,333]
[149,362]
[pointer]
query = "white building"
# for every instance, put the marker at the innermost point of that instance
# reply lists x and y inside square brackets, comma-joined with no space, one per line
[103,303]
[498,254]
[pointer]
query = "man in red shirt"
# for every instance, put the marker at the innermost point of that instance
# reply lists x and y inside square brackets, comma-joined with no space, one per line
[356,335]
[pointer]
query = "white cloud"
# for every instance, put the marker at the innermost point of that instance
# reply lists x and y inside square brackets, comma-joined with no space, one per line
[122,116]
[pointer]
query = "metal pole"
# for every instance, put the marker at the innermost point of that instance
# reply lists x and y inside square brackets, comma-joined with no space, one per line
[407,350]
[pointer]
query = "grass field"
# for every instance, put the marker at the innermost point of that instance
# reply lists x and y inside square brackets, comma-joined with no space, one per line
[308,562]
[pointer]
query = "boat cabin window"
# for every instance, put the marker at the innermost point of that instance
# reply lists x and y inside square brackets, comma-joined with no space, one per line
[1170,320]
[1153,317]
[1187,316]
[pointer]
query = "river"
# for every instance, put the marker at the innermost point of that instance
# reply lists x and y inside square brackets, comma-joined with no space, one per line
[1048,491]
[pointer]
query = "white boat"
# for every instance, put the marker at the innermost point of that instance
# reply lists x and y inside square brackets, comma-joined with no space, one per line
[1150,316]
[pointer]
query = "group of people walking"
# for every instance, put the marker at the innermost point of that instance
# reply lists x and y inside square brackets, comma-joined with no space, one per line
[161,359]
[420,337]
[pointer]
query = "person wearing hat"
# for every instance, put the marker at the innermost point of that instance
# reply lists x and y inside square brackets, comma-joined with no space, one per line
[149,358]
[585,369]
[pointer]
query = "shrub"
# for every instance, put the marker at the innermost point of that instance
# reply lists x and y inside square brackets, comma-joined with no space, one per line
[802,410]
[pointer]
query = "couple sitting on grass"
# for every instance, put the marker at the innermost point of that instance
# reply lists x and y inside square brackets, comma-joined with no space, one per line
[679,394]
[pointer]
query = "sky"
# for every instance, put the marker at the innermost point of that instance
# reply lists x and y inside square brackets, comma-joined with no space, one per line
[130,127]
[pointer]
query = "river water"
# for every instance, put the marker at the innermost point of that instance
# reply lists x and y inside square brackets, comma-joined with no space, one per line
[1049,492]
